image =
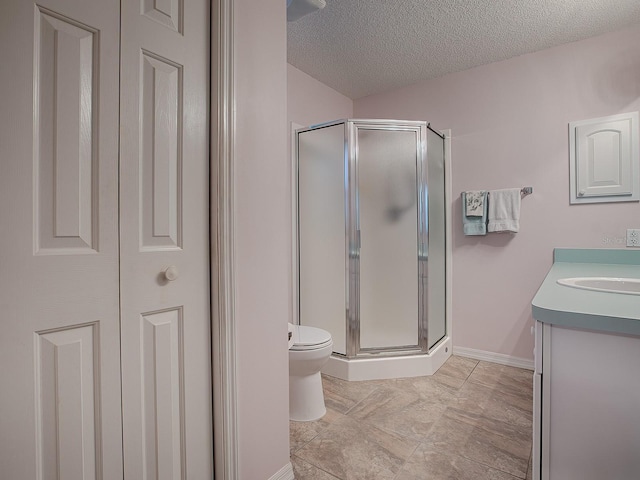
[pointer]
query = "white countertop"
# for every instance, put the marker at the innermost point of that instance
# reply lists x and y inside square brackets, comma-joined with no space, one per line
[577,308]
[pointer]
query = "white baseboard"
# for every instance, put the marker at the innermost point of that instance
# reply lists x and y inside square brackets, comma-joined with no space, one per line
[499,358]
[285,473]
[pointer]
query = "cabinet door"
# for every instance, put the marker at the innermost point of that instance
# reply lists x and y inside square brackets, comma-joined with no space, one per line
[604,163]
[60,345]
[166,362]
[592,416]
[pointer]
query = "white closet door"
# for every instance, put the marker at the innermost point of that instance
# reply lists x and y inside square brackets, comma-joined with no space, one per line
[59,345]
[166,361]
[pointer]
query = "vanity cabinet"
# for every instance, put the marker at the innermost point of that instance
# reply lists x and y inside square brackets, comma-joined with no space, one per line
[587,404]
[586,423]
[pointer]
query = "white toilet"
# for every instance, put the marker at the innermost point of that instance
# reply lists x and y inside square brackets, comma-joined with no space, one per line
[309,349]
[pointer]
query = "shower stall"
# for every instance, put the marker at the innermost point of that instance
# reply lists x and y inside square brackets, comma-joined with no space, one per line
[371,249]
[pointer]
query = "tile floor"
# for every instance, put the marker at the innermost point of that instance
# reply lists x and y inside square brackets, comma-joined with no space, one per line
[469,421]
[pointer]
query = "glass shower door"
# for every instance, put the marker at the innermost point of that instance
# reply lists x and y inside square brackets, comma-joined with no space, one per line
[388,188]
[436,272]
[323,293]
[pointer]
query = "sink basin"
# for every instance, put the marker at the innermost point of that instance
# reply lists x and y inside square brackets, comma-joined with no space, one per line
[629,286]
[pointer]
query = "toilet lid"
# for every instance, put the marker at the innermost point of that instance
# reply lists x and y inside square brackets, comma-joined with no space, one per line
[305,338]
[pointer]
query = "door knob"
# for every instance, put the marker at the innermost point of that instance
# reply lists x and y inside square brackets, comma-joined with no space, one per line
[171,273]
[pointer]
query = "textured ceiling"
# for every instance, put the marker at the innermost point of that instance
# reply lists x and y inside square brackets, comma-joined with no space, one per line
[362,47]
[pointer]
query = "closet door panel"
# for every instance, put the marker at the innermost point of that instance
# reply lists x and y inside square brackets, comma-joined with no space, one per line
[164,223]
[60,413]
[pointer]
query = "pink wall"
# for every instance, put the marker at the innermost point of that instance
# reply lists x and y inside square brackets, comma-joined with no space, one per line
[310,102]
[509,123]
[262,239]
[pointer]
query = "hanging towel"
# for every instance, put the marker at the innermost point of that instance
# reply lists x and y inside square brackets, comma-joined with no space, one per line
[473,225]
[475,203]
[504,210]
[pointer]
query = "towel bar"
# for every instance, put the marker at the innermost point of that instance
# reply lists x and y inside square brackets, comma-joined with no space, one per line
[526,191]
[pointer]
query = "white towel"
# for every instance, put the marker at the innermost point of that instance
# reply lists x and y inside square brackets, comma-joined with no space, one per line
[504,210]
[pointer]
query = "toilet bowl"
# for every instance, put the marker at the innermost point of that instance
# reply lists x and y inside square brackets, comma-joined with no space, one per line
[309,349]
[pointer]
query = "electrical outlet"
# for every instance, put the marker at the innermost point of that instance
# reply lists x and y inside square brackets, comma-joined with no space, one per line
[633,237]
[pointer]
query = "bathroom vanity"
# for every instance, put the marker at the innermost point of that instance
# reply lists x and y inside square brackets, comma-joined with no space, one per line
[587,367]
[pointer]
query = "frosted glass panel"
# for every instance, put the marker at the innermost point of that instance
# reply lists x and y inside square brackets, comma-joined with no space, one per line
[436,271]
[322,232]
[386,162]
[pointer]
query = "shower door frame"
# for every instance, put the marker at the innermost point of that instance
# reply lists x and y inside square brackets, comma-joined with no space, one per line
[353,348]
[352,217]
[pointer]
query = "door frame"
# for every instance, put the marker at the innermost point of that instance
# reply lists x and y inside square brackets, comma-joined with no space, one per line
[223,325]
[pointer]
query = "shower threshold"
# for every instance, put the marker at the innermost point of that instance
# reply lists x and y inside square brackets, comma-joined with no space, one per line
[380,367]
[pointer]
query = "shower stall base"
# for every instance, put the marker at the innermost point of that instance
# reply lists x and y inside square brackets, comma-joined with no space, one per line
[383,366]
